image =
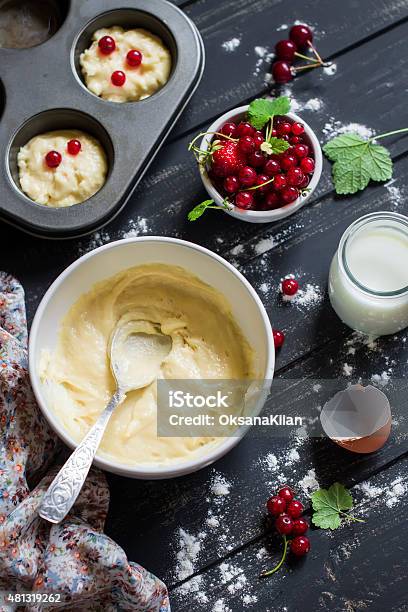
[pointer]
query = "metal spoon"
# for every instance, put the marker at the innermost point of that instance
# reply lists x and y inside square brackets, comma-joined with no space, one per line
[137,350]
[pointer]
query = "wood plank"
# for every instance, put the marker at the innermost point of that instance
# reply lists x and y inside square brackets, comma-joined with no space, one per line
[357,567]
[240,74]
[159,509]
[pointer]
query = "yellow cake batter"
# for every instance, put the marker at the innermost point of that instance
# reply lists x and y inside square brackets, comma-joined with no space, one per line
[206,344]
[141,81]
[77,178]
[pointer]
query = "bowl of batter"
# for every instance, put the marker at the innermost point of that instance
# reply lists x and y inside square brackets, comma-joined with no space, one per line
[218,327]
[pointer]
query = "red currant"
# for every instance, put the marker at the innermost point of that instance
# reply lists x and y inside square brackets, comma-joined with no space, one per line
[229,129]
[297,129]
[295,177]
[247,176]
[278,337]
[289,286]
[118,78]
[294,140]
[244,199]
[300,545]
[305,182]
[276,505]
[307,165]
[73,147]
[282,72]
[300,150]
[245,129]
[231,184]
[295,509]
[258,139]
[271,167]
[289,194]
[300,526]
[134,58]
[106,45]
[301,35]
[263,178]
[53,159]
[246,144]
[274,133]
[256,159]
[284,524]
[279,181]
[271,200]
[286,493]
[283,128]
[288,160]
[285,50]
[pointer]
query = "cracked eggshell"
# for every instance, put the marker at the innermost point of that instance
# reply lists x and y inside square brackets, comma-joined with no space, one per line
[358,418]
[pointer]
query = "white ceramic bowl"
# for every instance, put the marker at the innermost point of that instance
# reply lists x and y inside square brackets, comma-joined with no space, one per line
[261,216]
[112,258]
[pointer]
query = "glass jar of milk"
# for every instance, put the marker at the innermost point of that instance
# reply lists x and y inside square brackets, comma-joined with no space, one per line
[368,282]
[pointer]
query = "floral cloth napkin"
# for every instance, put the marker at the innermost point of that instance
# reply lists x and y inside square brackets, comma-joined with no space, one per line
[74,558]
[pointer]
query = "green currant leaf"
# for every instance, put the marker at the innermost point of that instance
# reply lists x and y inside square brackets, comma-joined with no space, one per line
[356,162]
[200,209]
[329,504]
[278,145]
[260,111]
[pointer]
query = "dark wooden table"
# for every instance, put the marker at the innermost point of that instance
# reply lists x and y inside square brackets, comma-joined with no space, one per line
[213,564]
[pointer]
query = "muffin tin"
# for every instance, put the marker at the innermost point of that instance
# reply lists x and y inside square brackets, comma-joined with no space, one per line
[42,89]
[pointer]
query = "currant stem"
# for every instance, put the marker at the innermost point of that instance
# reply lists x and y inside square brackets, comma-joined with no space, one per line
[314,51]
[275,569]
[259,186]
[389,134]
[315,65]
[305,57]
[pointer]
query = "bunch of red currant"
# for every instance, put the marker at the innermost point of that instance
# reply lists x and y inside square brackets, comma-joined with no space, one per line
[300,38]
[287,512]
[134,58]
[251,179]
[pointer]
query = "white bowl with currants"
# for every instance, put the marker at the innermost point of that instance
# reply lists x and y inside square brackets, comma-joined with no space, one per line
[259,163]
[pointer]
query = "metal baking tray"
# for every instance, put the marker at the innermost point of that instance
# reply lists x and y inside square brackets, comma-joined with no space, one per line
[42,89]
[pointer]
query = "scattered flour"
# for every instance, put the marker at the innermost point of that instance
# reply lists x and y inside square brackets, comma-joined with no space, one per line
[264,245]
[264,56]
[136,228]
[220,606]
[314,104]
[213,521]
[370,490]
[333,128]
[309,483]
[282,27]
[317,387]
[189,550]
[220,485]
[247,600]
[310,296]
[397,489]
[264,287]
[392,492]
[231,45]
[292,457]
[396,193]
[262,553]
[381,379]
[347,369]
[330,70]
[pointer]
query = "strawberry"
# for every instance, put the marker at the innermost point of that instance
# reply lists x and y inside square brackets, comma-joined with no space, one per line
[228,159]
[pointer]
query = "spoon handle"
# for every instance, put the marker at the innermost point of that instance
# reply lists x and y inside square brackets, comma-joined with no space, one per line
[67,484]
